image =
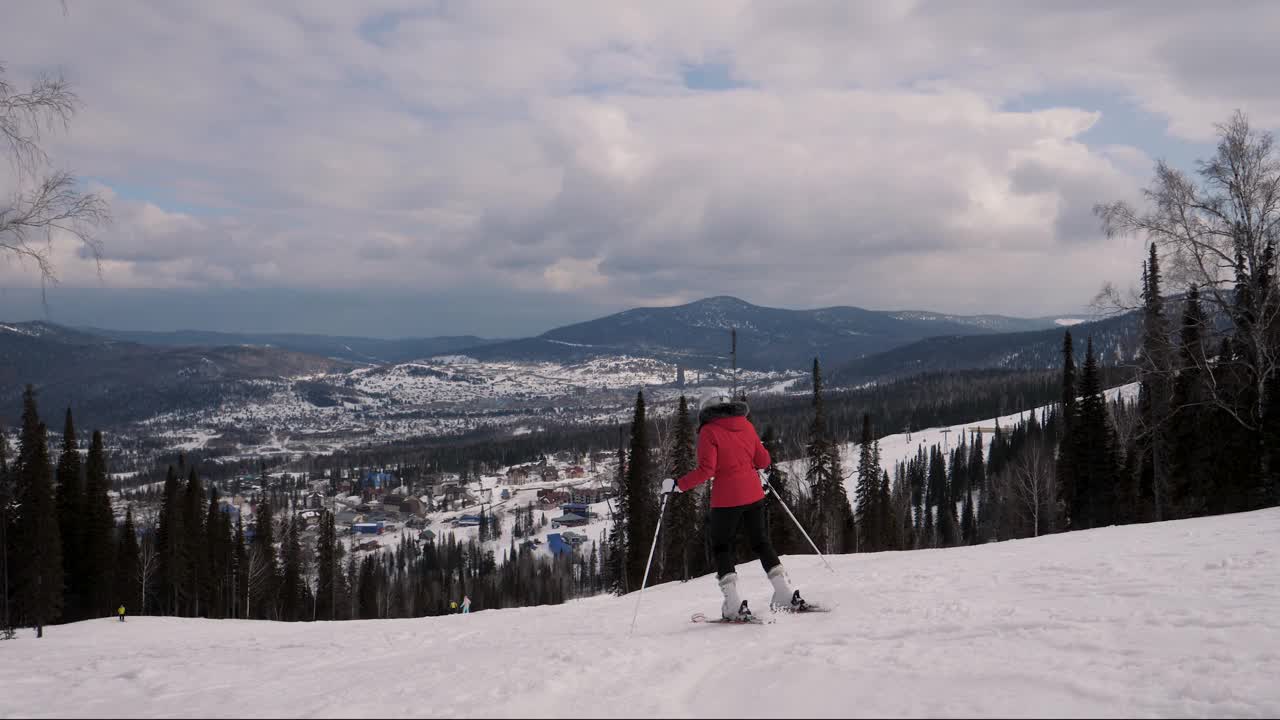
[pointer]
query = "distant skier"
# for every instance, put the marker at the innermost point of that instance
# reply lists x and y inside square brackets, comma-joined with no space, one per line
[120,612]
[730,451]
[466,604]
[453,606]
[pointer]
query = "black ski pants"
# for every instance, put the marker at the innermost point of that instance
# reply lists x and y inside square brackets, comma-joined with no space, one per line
[724,533]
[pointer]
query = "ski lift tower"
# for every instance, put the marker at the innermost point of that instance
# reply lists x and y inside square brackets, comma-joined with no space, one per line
[733,356]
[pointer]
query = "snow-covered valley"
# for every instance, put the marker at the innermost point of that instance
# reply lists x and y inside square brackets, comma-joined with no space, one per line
[1174,619]
[445,395]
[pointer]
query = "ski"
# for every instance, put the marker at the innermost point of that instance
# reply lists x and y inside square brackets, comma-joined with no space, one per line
[806,609]
[749,620]
[799,605]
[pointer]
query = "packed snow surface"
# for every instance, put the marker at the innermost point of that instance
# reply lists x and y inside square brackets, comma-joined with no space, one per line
[1174,619]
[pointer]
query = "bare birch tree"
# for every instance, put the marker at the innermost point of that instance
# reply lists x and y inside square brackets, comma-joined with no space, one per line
[43,202]
[148,565]
[256,576]
[1220,235]
[1033,481]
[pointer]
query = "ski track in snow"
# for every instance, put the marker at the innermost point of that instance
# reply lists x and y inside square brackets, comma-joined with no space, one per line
[1173,619]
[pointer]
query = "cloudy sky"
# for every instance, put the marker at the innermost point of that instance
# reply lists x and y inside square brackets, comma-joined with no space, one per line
[418,168]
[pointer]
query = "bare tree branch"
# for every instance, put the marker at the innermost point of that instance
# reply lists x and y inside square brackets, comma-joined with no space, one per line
[46,202]
[1216,236]
[1033,480]
[25,116]
[148,565]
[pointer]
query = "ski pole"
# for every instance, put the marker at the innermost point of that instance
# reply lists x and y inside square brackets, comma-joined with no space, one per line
[797,522]
[661,511]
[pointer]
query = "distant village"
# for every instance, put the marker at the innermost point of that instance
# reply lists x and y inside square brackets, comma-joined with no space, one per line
[373,505]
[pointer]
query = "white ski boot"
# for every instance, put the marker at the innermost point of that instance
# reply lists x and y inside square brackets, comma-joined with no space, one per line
[734,608]
[784,597]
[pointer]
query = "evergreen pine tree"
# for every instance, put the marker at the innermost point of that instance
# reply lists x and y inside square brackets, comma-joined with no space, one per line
[70,503]
[196,577]
[1268,491]
[264,595]
[1153,398]
[227,566]
[886,519]
[968,521]
[368,590]
[976,481]
[1239,384]
[977,467]
[639,493]
[241,570]
[683,546]
[916,475]
[351,610]
[867,491]
[948,513]
[989,503]
[6,534]
[936,500]
[169,546]
[1094,499]
[38,573]
[1067,443]
[291,590]
[99,534]
[1191,446]
[326,567]
[216,549]
[342,585]
[900,502]
[833,526]
[959,475]
[128,588]
[617,566]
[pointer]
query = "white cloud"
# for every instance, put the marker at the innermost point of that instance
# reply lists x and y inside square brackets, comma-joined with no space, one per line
[865,159]
[569,274]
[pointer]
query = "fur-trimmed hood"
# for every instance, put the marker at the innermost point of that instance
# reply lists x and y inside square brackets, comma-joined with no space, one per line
[737,408]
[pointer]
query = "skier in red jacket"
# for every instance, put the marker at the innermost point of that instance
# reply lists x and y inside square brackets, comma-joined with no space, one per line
[730,451]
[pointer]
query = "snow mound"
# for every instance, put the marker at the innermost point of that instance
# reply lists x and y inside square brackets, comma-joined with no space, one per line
[1165,619]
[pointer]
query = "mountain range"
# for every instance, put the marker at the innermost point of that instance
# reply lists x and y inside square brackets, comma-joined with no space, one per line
[1116,340]
[375,351]
[121,381]
[126,376]
[768,339]
[693,335]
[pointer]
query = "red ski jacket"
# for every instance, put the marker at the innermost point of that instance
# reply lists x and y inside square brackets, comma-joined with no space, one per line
[730,451]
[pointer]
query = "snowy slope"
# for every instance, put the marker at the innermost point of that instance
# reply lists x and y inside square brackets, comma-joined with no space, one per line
[1165,619]
[903,446]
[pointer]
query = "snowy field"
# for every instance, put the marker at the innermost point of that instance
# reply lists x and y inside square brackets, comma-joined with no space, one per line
[1176,619]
